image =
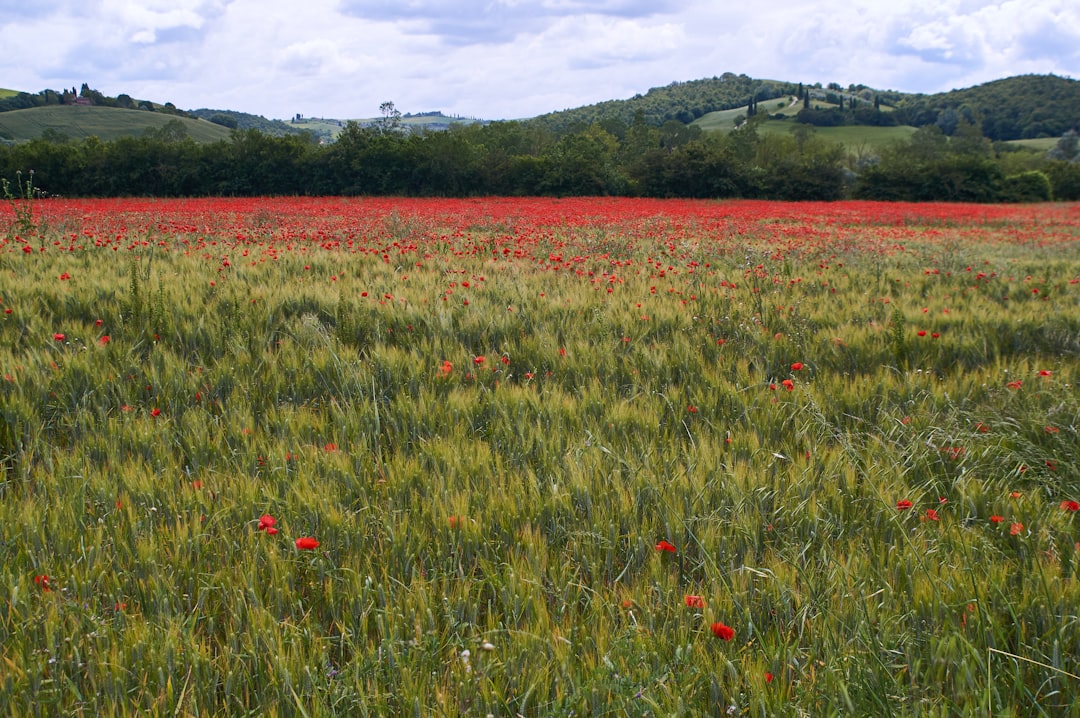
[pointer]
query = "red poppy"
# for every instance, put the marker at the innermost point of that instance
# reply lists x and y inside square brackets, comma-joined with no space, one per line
[797,366]
[695,602]
[478,360]
[42,581]
[665,546]
[903,505]
[1045,372]
[445,369]
[1016,529]
[995,519]
[692,409]
[456,521]
[267,522]
[768,677]
[931,515]
[155,412]
[722,631]
[788,384]
[104,340]
[306,543]
[1070,505]
[58,337]
[330,447]
[1015,384]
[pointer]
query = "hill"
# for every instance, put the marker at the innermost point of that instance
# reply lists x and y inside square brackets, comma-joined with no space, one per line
[107,123]
[4,92]
[1014,108]
[680,101]
[231,119]
[1021,107]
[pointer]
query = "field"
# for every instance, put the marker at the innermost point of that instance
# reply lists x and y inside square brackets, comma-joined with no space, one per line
[356,457]
[107,123]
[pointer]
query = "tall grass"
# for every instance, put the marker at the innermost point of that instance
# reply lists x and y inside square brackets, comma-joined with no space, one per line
[488,528]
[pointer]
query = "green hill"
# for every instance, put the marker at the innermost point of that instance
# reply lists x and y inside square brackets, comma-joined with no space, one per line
[4,92]
[108,123]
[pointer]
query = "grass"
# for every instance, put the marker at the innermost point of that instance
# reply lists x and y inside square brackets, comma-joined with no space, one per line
[108,123]
[4,92]
[490,412]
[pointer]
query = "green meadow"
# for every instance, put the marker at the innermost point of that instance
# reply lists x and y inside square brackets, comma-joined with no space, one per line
[106,123]
[532,495]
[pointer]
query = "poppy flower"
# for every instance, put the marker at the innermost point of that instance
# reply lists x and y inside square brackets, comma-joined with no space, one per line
[995,519]
[58,337]
[1015,384]
[722,631]
[155,412]
[695,602]
[104,340]
[42,581]
[306,543]
[788,384]
[1070,505]
[446,369]
[478,360]
[267,522]
[768,677]
[931,515]
[665,546]
[1045,372]
[691,409]
[797,366]
[903,505]
[1016,529]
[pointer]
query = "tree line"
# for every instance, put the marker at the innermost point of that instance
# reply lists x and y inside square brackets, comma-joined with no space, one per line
[609,157]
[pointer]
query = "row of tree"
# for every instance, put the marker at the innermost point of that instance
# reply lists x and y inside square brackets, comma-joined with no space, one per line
[513,158]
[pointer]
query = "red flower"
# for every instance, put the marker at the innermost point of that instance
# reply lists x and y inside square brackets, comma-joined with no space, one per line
[931,515]
[104,340]
[42,581]
[456,521]
[768,677]
[1070,505]
[797,366]
[478,360]
[155,412]
[692,409]
[267,522]
[695,602]
[1045,372]
[330,447]
[788,384]
[665,546]
[58,337]
[445,369]
[1015,384]
[721,631]
[1016,529]
[903,505]
[995,519]
[306,543]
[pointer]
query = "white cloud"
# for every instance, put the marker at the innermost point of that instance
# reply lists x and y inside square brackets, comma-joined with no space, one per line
[513,58]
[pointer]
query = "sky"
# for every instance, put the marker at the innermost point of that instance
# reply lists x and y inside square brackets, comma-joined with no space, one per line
[508,59]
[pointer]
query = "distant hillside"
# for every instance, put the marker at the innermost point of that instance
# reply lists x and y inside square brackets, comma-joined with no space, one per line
[1021,107]
[680,101]
[231,119]
[7,93]
[108,123]
[1026,106]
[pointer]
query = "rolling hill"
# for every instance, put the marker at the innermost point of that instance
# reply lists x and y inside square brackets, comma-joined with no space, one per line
[107,123]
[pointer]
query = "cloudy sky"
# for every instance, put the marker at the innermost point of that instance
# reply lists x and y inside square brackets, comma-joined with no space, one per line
[502,59]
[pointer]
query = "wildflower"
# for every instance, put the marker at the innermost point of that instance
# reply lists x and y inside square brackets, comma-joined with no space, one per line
[105,340]
[445,369]
[692,409]
[1068,505]
[665,546]
[722,631]
[695,602]
[306,543]
[330,447]
[797,366]
[903,505]
[155,412]
[58,337]
[995,519]
[788,384]
[768,677]
[455,521]
[478,360]
[1050,429]
[1015,384]
[1015,529]
[931,515]
[1015,495]
[42,581]
[1045,372]
[266,523]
